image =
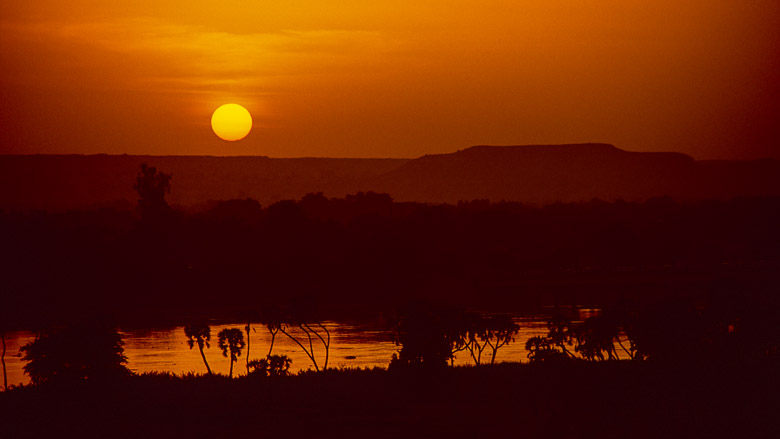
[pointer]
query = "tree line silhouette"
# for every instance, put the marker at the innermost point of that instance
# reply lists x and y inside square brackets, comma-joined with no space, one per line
[93,350]
[367,252]
[727,328]
[723,331]
[276,319]
[430,336]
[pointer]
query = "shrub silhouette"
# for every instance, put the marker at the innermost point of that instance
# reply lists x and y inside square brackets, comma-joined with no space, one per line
[231,341]
[542,349]
[75,353]
[593,339]
[428,337]
[270,366]
[431,336]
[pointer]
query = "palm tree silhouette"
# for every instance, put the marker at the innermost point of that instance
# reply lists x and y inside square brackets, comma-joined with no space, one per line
[200,334]
[247,328]
[2,359]
[231,340]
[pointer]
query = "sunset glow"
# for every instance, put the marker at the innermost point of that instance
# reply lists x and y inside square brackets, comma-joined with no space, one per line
[344,78]
[399,219]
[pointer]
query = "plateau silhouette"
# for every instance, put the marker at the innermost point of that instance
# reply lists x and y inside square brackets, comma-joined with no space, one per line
[539,174]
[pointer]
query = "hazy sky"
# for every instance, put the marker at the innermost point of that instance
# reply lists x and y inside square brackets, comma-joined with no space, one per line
[397,78]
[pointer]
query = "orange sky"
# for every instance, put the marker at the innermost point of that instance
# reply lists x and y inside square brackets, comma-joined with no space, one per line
[398,78]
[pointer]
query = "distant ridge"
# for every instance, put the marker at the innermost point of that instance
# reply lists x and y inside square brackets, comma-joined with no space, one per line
[539,174]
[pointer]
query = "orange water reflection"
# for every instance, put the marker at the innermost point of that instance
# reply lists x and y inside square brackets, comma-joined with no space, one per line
[352,345]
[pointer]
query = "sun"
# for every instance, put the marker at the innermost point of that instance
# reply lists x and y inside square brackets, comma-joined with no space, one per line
[231,122]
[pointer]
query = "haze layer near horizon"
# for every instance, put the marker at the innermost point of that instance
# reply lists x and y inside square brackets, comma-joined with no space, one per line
[344,78]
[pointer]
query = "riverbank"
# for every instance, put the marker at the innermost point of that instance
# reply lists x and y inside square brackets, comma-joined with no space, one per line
[612,399]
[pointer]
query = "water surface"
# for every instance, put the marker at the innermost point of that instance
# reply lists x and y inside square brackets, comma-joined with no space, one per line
[352,345]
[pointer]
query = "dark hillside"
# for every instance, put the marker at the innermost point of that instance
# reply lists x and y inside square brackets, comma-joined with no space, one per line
[566,173]
[528,174]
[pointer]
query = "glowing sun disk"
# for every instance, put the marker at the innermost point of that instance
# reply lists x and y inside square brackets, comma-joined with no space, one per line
[231,122]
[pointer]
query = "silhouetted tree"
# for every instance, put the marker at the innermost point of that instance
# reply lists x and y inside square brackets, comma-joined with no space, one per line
[271,317]
[232,341]
[86,351]
[676,336]
[560,334]
[302,315]
[316,205]
[309,331]
[475,333]
[501,331]
[542,349]
[286,215]
[370,203]
[273,329]
[199,334]
[428,337]
[152,187]
[595,337]
[476,337]
[2,359]
[247,328]
[271,366]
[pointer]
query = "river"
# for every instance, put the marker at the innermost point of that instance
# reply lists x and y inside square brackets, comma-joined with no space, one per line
[352,345]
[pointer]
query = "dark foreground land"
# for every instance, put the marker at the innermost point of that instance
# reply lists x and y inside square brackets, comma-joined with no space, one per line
[611,399]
